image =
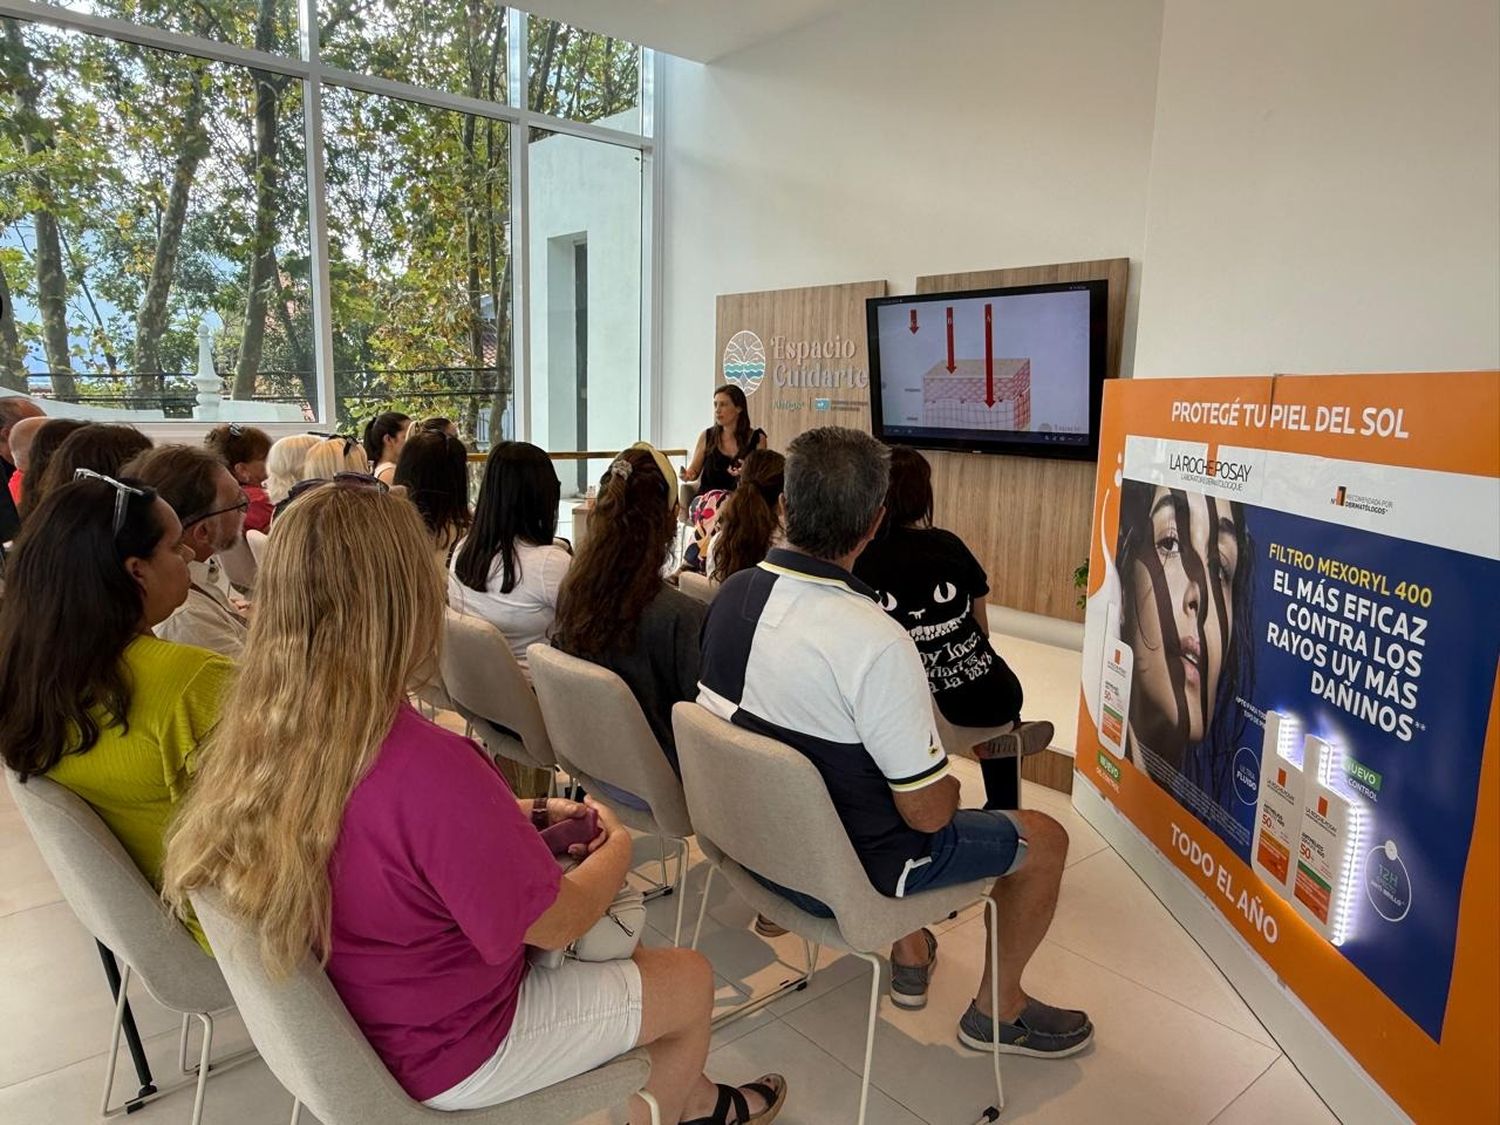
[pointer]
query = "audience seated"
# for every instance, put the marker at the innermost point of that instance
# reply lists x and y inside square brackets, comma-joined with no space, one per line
[392,849]
[333,455]
[614,608]
[441,426]
[100,447]
[44,444]
[800,650]
[384,436]
[244,450]
[510,567]
[13,410]
[93,699]
[285,464]
[211,506]
[434,470]
[935,588]
[20,439]
[750,523]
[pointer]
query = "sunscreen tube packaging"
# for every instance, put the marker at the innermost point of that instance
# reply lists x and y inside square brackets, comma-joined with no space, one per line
[1278,822]
[1330,841]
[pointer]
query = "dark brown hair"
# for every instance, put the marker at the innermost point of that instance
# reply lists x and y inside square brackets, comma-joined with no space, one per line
[44,446]
[434,468]
[742,428]
[517,504]
[238,445]
[908,501]
[749,519]
[70,609]
[102,447]
[617,572]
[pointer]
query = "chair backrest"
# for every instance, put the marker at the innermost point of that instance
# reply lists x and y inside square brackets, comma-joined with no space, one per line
[257,541]
[599,732]
[317,1051]
[765,806]
[484,681]
[697,585]
[114,901]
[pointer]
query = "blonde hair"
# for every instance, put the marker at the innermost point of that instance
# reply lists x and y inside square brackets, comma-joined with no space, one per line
[284,464]
[331,654]
[334,455]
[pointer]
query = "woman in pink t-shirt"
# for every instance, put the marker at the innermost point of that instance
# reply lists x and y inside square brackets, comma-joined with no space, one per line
[340,823]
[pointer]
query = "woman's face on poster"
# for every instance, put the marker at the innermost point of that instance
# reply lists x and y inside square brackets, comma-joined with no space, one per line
[1181,618]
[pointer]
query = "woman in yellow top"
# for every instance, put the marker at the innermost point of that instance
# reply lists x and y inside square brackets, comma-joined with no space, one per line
[88,696]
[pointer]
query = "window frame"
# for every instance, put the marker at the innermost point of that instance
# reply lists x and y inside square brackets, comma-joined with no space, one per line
[307,68]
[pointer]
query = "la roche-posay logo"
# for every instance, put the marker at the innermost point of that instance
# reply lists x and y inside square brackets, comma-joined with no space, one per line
[745,361]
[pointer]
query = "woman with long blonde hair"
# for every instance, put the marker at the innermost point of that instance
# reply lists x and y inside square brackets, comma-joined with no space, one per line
[341,825]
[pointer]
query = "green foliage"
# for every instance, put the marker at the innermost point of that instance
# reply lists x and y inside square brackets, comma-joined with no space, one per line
[418,198]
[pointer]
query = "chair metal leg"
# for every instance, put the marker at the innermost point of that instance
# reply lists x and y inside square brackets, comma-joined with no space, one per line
[114,1040]
[651,1104]
[864,1075]
[296,1112]
[146,1086]
[992,929]
[708,884]
[682,870]
[208,1042]
[182,1044]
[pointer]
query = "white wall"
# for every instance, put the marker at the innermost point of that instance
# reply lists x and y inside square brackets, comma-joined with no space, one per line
[584,190]
[898,140]
[1325,189]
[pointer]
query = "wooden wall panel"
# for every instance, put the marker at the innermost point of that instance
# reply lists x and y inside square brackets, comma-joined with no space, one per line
[1026,518]
[789,325]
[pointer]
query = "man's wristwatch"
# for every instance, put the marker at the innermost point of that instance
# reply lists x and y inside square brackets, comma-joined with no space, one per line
[539,813]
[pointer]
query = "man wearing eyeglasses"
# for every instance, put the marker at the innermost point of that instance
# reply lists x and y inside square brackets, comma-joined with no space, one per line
[211,506]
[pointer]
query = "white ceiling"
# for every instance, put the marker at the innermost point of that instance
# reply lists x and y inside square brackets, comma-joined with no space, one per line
[702,30]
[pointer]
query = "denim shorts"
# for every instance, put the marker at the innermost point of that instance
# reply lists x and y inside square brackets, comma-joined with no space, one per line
[976,844]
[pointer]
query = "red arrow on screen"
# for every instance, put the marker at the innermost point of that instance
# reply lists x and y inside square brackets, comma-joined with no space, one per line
[913,320]
[989,356]
[951,364]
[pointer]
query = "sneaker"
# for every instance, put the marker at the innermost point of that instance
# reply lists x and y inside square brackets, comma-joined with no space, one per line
[909,982]
[1021,741]
[1041,1031]
[767,928]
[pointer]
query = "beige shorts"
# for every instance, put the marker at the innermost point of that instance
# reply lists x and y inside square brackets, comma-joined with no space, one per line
[569,1020]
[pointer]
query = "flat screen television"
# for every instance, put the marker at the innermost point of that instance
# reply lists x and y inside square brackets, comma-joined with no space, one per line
[1013,370]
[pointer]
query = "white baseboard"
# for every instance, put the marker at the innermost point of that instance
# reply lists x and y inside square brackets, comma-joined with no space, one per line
[1340,1081]
[1052,631]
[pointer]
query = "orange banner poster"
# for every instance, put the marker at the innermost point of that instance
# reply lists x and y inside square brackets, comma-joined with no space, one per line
[1290,687]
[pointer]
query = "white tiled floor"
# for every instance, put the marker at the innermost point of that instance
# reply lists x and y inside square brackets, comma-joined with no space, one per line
[1175,1043]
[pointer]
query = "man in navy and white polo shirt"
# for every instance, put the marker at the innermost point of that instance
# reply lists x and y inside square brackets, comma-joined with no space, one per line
[798,649]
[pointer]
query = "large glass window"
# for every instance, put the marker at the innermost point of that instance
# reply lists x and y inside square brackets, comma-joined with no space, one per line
[143,195]
[162,256]
[419,241]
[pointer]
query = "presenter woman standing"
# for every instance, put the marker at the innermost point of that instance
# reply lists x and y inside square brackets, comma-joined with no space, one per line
[723,447]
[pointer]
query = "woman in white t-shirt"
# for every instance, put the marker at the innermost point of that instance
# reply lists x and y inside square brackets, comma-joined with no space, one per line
[509,568]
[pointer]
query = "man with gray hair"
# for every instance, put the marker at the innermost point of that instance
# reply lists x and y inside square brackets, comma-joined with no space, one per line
[797,649]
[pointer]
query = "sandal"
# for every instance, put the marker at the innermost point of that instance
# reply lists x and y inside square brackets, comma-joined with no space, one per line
[771,1087]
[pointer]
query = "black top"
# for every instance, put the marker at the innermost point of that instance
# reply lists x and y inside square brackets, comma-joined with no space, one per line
[716,463]
[927,580]
[661,667]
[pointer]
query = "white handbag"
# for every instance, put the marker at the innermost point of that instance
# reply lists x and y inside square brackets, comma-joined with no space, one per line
[612,938]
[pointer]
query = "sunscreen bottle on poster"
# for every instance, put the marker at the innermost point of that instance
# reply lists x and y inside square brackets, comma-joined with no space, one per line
[1330,841]
[1278,821]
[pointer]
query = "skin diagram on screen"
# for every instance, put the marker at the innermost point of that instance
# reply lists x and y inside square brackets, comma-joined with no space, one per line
[1014,365]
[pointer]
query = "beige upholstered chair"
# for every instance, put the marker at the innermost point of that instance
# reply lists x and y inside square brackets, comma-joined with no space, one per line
[485,685]
[124,913]
[791,834]
[697,585]
[239,564]
[315,1049]
[600,735]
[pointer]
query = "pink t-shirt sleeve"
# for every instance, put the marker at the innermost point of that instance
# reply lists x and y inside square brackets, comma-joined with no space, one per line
[482,857]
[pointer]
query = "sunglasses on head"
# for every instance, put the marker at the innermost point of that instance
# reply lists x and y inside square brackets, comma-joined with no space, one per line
[123,493]
[338,480]
[349,442]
